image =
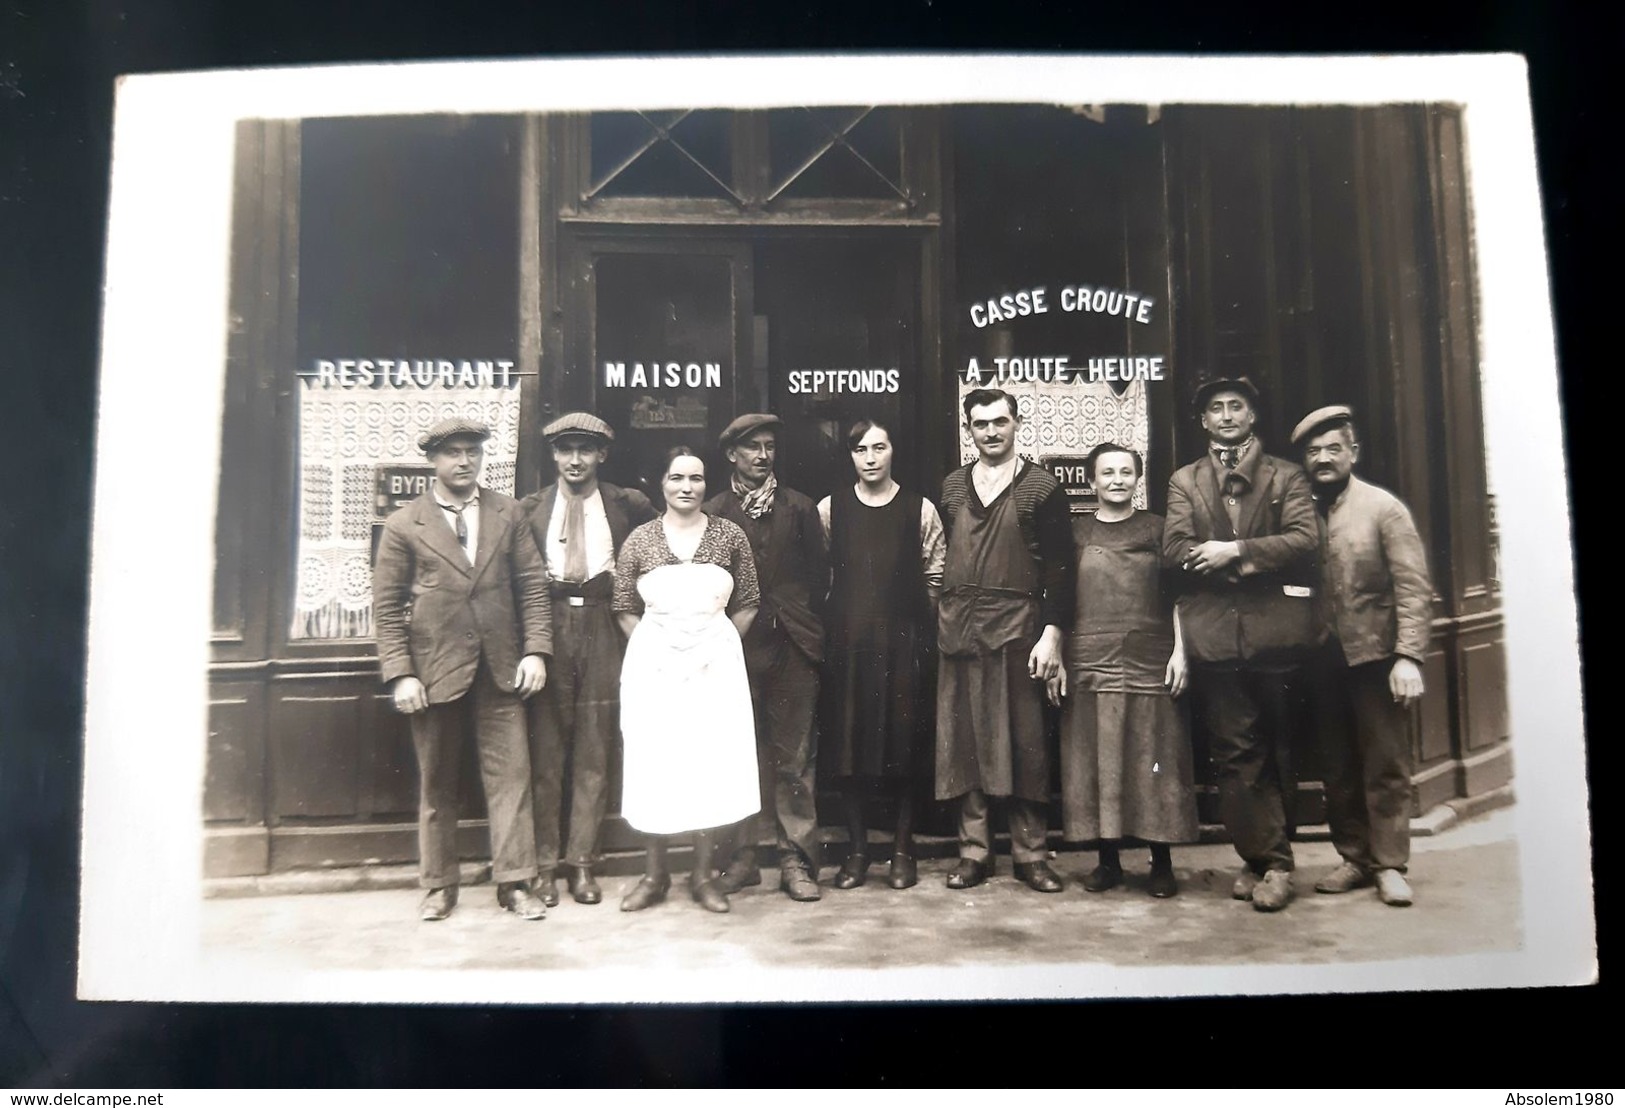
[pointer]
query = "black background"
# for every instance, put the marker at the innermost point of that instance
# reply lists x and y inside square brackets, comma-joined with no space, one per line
[58,62]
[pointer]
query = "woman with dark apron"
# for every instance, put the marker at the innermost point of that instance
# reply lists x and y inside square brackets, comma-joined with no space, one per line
[1126,763]
[886,553]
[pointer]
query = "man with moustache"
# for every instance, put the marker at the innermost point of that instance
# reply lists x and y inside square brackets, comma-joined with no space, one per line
[1007,598]
[783,650]
[462,620]
[1376,609]
[1240,529]
[579,524]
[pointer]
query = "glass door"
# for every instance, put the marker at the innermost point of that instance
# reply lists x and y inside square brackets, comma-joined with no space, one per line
[659,355]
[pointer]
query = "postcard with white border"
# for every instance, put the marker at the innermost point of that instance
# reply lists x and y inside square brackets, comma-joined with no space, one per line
[830,528]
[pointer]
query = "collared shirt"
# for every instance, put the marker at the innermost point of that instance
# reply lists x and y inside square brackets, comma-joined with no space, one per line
[600,544]
[471,518]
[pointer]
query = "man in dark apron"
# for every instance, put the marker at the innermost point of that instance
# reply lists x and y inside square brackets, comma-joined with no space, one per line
[1241,530]
[1007,598]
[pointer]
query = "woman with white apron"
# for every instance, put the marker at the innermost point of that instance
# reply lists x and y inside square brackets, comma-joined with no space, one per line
[685,593]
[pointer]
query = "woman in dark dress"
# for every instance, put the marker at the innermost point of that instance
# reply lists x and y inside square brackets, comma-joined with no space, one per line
[886,552]
[1126,764]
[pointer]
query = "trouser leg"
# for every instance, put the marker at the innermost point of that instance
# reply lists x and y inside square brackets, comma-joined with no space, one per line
[597,705]
[975,829]
[1249,792]
[499,727]
[549,717]
[1027,829]
[1339,757]
[787,750]
[438,733]
[1381,727]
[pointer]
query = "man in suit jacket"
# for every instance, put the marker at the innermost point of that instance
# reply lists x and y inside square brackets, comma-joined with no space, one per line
[461,613]
[1241,530]
[783,650]
[579,524]
[1376,606]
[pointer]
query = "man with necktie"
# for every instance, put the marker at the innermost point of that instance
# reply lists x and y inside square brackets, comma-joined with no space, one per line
[579,524]
[1241,532]
[461,616]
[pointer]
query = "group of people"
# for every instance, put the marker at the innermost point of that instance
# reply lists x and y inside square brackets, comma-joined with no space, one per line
[740,641]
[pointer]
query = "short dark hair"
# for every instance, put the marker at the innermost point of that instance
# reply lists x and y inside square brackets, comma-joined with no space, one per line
[678,451]
[1112,448]
[855,433]
[978,398]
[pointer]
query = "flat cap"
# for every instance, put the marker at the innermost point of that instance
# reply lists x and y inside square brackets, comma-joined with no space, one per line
[430,440]
[1321,419]
[748,424]
[578,423]
[1205,391]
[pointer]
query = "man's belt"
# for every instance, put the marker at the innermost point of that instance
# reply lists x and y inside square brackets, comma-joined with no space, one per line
[597,590]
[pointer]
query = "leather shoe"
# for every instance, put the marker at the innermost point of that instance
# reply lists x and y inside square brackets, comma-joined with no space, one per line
[1393,889]
[854,872]
[737,877]
[1274,892]
[1038,877]
[517,898]
[1345,878]
[437,904]
[1163,883]
[708,896]
[904,873]
[645,894]
[546,890]
[1101,878]
[583,886]
[1246,882]
[798,884]
[968,874]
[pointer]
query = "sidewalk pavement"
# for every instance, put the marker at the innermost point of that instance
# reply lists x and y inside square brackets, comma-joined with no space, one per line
[1465,879]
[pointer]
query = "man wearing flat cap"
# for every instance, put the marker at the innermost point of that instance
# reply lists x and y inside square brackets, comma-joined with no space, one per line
[461,615]
[783,651]
[1376,609]
[579,524]
[1240,532]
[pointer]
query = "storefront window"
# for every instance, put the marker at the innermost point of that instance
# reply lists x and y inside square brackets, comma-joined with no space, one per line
[408,265]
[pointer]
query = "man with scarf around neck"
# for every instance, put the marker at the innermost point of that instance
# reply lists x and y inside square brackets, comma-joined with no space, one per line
[1008,596]
[579,524]
[1376,614]
[783,651]
[1240,530]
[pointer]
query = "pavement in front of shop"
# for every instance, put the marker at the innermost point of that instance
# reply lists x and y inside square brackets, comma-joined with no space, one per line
[1465,880]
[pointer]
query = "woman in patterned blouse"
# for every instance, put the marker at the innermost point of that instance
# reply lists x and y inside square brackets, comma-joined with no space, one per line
[685,593]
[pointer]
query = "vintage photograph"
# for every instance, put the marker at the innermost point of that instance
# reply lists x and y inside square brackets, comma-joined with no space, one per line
[674,542]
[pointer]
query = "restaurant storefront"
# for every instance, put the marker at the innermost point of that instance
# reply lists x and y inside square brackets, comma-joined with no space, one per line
[672,269]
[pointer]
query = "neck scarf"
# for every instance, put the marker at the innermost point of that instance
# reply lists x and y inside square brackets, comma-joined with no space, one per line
[1230,456]
[759,501]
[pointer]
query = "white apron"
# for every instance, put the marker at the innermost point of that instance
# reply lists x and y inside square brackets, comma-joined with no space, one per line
[686,717]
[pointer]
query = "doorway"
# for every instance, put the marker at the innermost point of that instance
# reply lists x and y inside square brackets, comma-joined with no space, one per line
[675,335]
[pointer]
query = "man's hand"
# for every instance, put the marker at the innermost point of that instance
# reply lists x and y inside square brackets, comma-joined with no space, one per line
[409,694]
[1045,660]
[531,677]
[1175,675]
[1405,681]
[1055,687]
[1212,556]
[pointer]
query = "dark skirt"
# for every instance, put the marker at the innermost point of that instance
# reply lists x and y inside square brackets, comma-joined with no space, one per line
[878,690]
[1127,770]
